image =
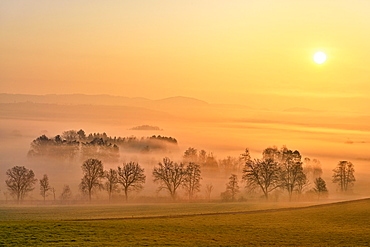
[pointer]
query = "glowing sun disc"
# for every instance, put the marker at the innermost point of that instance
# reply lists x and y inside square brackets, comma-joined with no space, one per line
[319,57]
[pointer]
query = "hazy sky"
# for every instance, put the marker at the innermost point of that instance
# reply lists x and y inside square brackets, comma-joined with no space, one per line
[218,51]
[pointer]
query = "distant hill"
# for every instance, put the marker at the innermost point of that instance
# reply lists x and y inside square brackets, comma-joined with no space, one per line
[182,100]
[81,106]
[72,99]
[83,99]
[146,127]
[92,113]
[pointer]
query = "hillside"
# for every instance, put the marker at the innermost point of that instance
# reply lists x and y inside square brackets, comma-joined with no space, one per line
[96,113]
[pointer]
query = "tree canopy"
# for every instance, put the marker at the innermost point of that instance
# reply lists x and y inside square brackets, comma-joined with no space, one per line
[93,173]
[20,181]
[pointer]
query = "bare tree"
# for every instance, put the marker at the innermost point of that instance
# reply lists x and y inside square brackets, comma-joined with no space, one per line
[192,179]
[232,188]
[131,176]
[291,175]
[263,174]
[344,175]
[302,184]
[272,153]
[230,165]
[66,193]
[53,191]
[170,175]
[44,186]
[312,168]
[20,181]
[320,187]
[209,189]
[191,155]
[93,173]
[112,180]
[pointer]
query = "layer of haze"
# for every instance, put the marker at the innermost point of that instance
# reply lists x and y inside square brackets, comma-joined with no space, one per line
[219,51]
[251,60]
[224,130]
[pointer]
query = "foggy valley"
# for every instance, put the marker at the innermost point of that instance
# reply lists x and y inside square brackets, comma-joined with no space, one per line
[184,123]
[221,130]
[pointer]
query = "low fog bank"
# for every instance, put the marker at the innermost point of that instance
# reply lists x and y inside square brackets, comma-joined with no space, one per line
[18,135]
[220,130]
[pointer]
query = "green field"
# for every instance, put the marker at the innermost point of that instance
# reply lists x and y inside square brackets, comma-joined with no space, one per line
[337,224]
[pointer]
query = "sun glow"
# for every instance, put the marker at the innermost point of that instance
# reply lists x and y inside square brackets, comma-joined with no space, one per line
[319,57]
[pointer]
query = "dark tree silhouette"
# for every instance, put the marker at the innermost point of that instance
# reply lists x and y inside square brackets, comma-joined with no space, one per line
[302,183]
[191,155]
[245,157]
[263,174]
[81,135]
[112,180]
[170,175]
[131,176]
[44,186]
[72,144]
[272,153]
[344,175]
[93,173]
[54,148]
[192,179]
[291,175]
[320,187]
[20,181]
[232,188]
[70,135]
[101,149]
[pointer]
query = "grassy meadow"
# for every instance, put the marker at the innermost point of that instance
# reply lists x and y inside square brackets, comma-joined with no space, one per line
[337,224]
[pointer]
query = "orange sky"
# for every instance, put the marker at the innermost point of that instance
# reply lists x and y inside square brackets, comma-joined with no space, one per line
[218,51]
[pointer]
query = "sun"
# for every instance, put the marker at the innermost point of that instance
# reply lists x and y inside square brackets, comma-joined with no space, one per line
[319,57]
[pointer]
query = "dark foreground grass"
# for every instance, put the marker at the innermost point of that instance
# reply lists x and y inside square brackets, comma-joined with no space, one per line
[342,224]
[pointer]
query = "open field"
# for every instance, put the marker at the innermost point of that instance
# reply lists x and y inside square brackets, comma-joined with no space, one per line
[337,224]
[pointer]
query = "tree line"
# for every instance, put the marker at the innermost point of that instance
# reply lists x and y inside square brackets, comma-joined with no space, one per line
[74,144]
[278,169]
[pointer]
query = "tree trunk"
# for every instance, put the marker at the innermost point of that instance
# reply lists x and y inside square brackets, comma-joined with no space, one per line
[173,195]
[126,194]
